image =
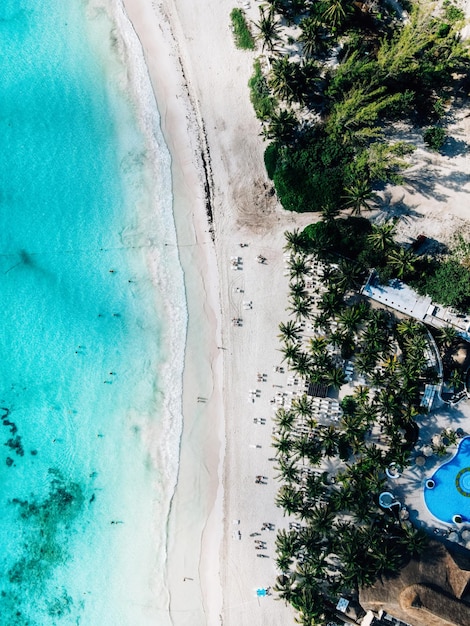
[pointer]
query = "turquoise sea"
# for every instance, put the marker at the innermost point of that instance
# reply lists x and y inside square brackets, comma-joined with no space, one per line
[92,324]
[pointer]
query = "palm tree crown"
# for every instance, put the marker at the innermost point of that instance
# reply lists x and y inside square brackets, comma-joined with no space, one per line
[269,29]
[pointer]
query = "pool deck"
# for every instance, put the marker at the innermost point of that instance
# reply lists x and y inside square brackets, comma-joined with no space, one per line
[409,487]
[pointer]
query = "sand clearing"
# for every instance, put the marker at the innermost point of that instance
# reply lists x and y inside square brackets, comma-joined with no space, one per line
[200,82]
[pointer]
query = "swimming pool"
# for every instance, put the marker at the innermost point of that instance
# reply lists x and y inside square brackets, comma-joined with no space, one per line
[450,495]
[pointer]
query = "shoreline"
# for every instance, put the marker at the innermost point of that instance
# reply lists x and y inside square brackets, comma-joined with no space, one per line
[192,549]
[217,163]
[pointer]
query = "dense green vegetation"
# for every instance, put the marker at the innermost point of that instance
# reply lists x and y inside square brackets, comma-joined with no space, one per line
[445,279]
[330,96]
[434,137]
[333,472]
[360,70]
[261,98]
[241,32]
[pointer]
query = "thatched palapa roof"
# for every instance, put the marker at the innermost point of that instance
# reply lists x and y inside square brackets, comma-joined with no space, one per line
[433,590]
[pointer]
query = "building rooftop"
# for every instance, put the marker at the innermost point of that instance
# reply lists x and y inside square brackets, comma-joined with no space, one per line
[430,591]
[400,297]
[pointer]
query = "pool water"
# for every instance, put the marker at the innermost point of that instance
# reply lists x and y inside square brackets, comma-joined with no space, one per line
[451,494]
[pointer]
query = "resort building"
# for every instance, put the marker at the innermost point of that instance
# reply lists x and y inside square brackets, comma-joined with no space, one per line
[402,298]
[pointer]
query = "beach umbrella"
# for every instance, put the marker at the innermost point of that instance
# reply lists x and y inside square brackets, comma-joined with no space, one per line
[453,536]
[420,461]
[465,534]
[427,451]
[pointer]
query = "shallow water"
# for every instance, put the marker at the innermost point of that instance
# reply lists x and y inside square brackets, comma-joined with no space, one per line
[89,427]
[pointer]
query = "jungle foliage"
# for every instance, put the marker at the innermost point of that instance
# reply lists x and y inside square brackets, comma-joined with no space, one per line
[333,469]
[360,70]
[446,279]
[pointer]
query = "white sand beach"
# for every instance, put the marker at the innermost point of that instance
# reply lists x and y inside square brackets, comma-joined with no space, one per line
[200,83]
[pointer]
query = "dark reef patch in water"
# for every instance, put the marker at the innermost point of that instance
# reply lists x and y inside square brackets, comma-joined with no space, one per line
[14,443]
[45,526]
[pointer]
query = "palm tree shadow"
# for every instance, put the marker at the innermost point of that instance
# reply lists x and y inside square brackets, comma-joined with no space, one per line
[390,209]
[454,147]
[455,181]
[424,183]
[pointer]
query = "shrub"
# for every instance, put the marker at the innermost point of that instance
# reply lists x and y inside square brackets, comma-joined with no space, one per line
[452,13]
[260,95]
[434,137]
[449,285]
[271,155]
[243,37]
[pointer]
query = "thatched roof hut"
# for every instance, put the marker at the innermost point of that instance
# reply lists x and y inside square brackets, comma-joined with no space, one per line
[433,590]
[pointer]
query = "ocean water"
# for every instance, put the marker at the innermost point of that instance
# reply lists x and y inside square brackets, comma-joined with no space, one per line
[92,324]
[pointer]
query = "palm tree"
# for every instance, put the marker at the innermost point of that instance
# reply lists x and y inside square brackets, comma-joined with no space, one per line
[329,440]
[321,518]
[286,80]
[361,394]
[388,403]
[336,12]
[414,540]
[331,302]
[322,321]
[387,558]
[298,267]
[291,352]
[329,212]
[448,335]
[322,361]
[295,241]
[350,319]
[350,275]
[409,327]
[286,542]
[282,125]
[269,29]
[297,289]
[399,456]
[375,455]
[341,498]
[284,419]
[289,499]
[358,197]
[455,379]
[288,471]
[335,378]
[309,78]
[283,444]
[300,307]
[382,237]
[318,345]
[365,364]
[289,331]
[312,39]
[402,261]
[302,406]
[285,586]
[308,448]
[302,365]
